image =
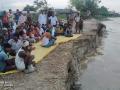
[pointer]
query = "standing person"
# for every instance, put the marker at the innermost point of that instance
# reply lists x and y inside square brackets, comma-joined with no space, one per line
[29,18]
[53,20]
[24,59]
[70,18]
[77,21]
[22,19]
[11,18]
[5,20]
[17,15]
[42,19]
[81,24]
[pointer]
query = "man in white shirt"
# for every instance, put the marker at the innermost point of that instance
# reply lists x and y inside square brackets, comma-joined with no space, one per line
[53,20]
[22,19]
[42,19]
[77,20]
[24,59]
[15,43]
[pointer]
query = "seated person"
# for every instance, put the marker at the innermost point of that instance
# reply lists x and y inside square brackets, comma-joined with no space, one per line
[37,33]
[24,59]
[60,30]
[34,34]
[41,31]
[44,27]
[51,30]
[6,64]
[16,43]
[24,37]
[6,35]
[48,40]
[68,32]
[32,38]
[1,40]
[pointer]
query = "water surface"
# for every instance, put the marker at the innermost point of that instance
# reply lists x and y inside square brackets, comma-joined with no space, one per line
[103,72]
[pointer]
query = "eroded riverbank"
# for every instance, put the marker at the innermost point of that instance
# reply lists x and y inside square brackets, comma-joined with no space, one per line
[53,72]
[103,71]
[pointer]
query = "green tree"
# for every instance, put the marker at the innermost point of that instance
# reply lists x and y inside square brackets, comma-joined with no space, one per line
[37,5]
[30,8]
[86,5]
[103,11]
[41,4]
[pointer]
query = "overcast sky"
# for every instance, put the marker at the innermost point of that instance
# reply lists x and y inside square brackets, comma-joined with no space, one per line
[14,4]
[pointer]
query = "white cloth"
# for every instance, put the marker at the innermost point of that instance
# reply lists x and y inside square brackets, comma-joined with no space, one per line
[45,41]
[19,62]
[42,19]
[53,20]
[14,27]
[22,19]
[41,31]
[53,31]
[15,45]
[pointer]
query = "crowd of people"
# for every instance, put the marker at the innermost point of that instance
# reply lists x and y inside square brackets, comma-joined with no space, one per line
[18,32]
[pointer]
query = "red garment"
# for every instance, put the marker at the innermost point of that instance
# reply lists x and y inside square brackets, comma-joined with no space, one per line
[5,19]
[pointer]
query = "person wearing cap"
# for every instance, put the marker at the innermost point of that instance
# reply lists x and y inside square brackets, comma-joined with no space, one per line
[6,64]
[24,59]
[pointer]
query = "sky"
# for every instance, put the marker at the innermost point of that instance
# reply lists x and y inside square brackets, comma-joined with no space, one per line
[14,4]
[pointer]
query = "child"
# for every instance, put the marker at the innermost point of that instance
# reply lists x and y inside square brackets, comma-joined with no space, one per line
[68,32]
[52,30]
[31,34]
[45,39]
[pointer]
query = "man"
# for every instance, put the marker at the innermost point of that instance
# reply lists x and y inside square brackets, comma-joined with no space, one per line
[17,15]
[29,18]
[77,20]
[6,64]
[11,18]
[22,19]
[53,20]
[24,59]
[42,18]
[5,20]
[16,43]
[81,22]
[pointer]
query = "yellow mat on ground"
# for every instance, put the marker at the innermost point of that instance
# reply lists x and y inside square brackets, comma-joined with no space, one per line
[41,52]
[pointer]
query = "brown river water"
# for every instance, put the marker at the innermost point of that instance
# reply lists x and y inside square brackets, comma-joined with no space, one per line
[102,72]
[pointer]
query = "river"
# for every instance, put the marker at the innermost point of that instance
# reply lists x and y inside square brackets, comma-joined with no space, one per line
[103,71]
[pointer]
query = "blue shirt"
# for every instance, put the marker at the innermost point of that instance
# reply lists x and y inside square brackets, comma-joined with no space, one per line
[3,57]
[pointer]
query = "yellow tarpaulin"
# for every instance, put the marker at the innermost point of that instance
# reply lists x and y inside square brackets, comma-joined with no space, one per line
[41,52]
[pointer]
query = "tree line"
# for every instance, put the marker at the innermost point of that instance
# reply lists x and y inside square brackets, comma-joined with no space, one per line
[85,7]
